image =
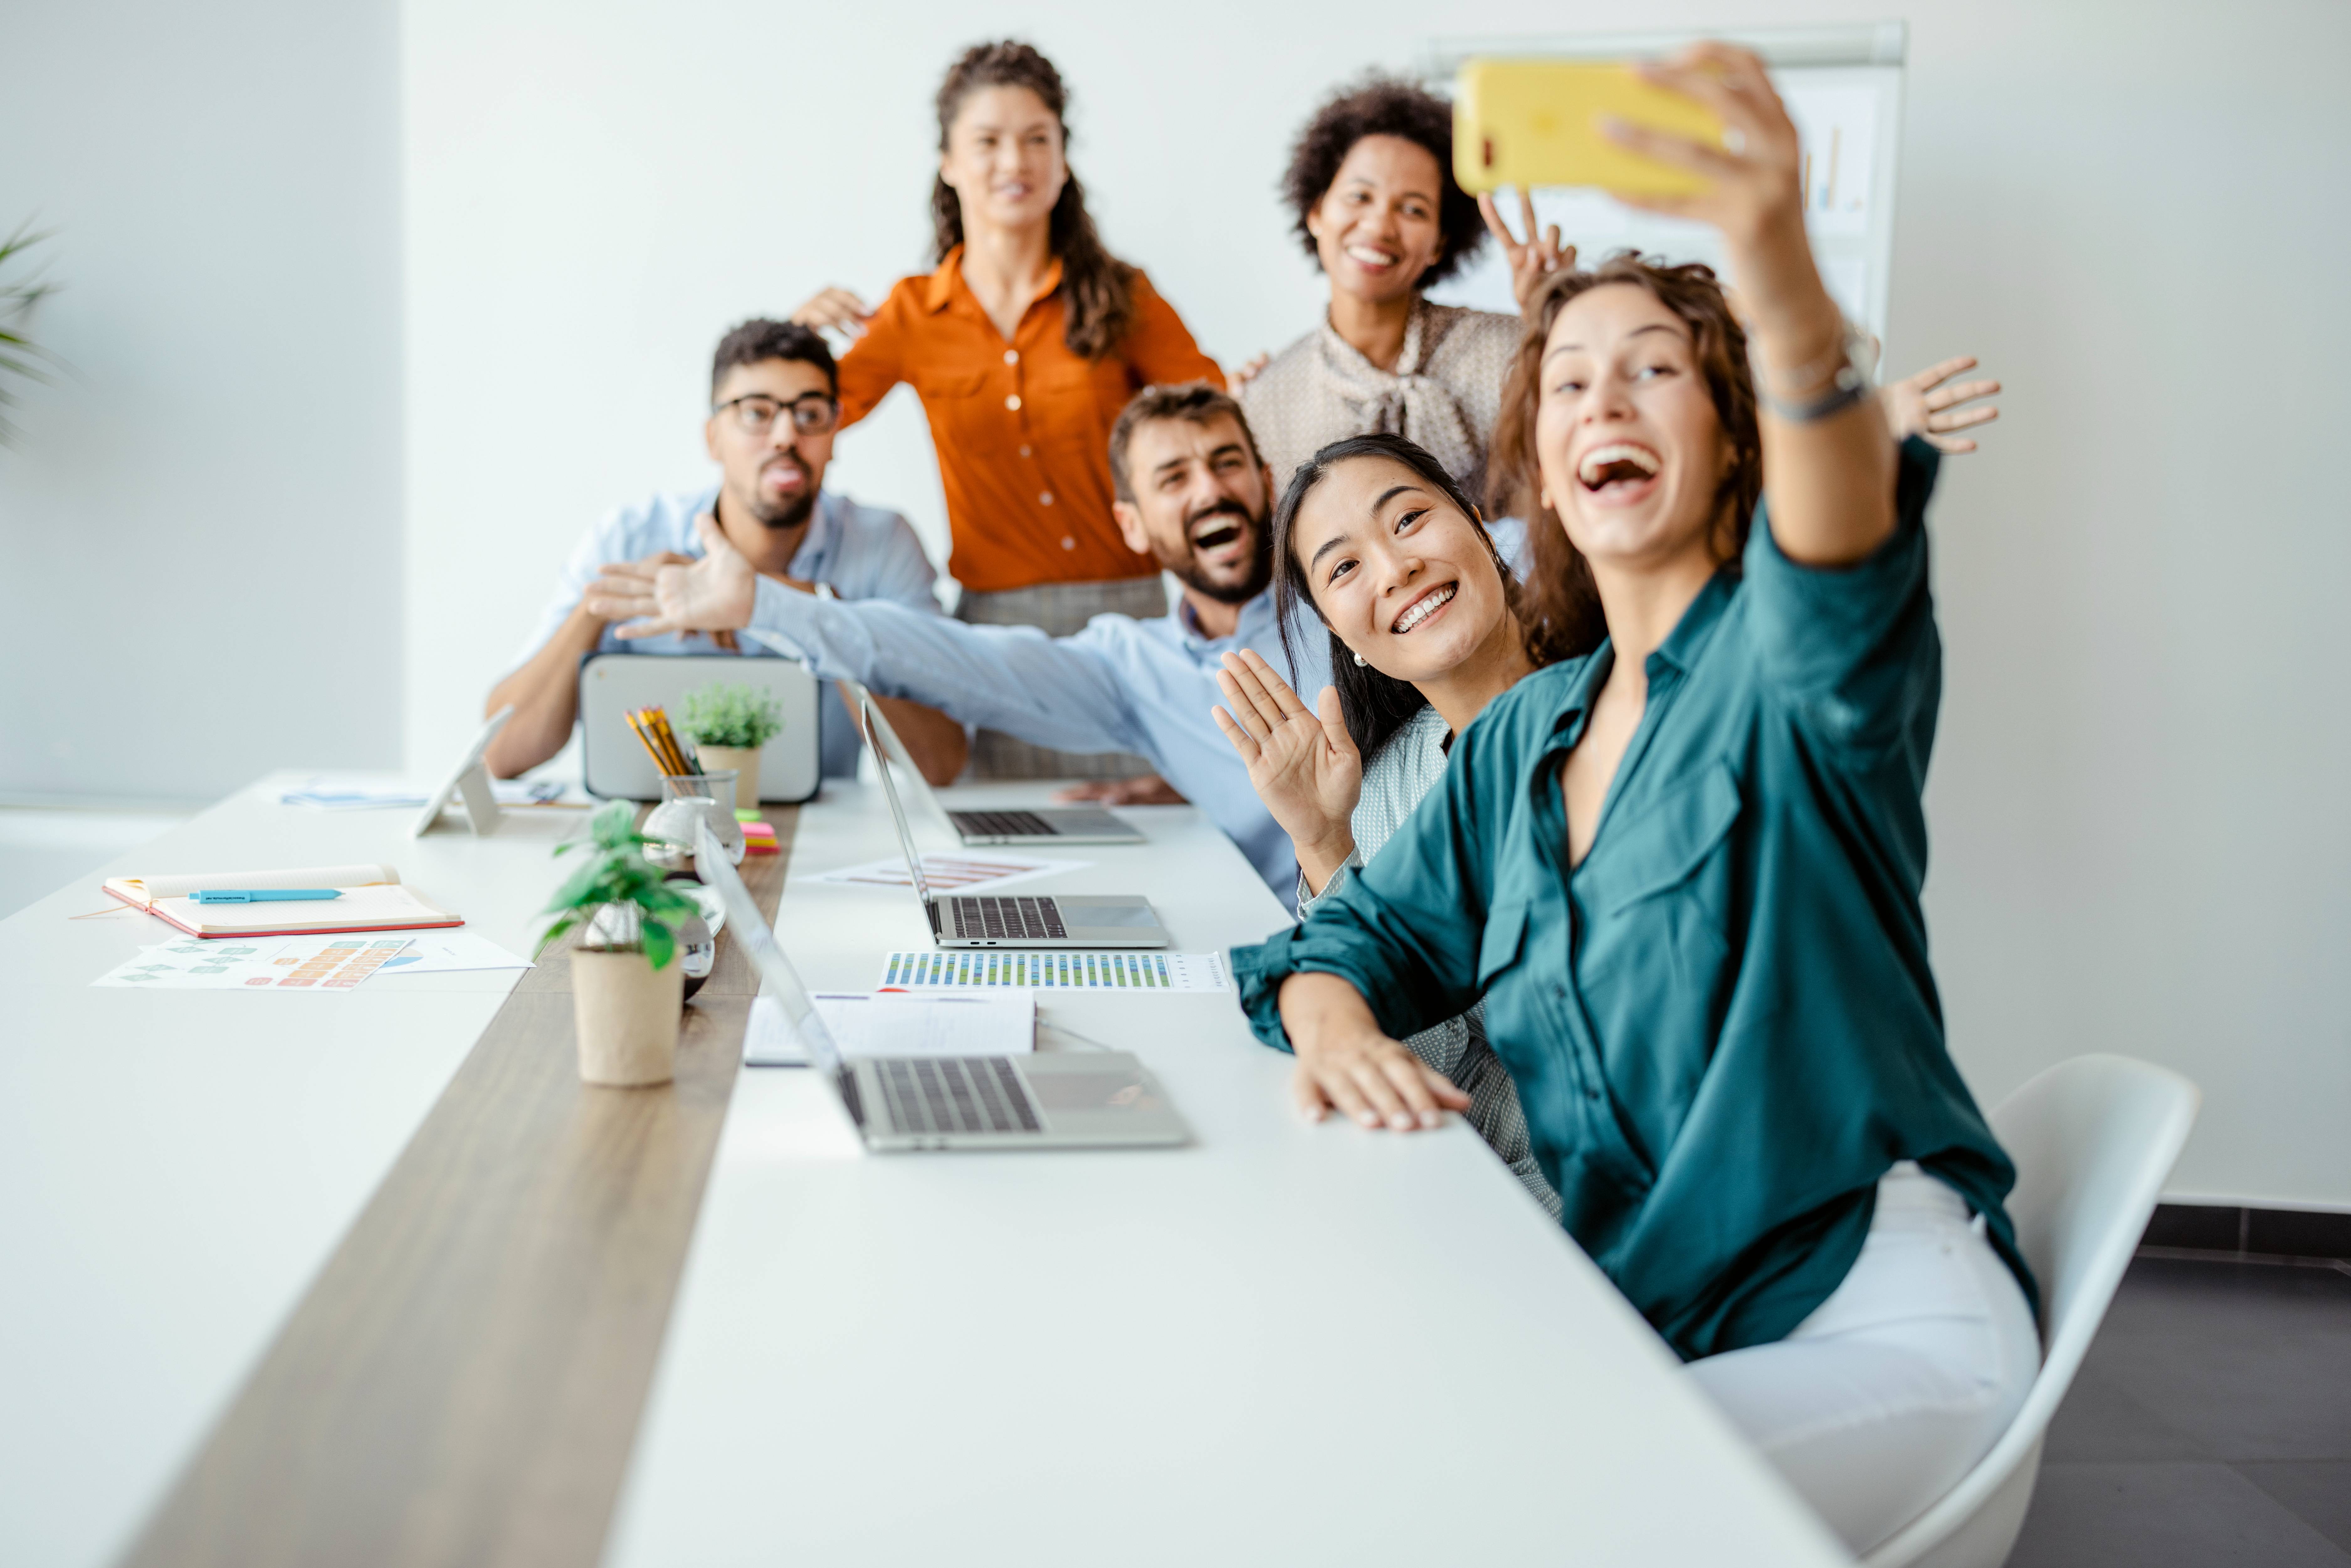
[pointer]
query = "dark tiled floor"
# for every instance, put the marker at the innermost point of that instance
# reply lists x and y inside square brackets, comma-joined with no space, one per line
[2209,1427]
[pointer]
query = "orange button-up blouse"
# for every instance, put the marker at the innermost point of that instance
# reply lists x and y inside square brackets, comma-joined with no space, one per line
[1022,428]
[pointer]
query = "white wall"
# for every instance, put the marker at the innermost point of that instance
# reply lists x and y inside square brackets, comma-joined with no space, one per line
[2138,222]
[199,560]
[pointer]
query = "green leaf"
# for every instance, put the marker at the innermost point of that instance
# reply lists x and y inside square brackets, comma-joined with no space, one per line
[659,944]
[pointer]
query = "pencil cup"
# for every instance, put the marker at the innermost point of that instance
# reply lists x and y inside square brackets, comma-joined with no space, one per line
[742,761]
[687,799]
[718,785]
[625,1013]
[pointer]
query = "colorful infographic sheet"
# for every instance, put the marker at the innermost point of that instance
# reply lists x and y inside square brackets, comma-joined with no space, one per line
[987,970]
[264,963]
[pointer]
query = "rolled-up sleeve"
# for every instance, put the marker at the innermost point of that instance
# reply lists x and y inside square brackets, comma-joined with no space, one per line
[1852,650]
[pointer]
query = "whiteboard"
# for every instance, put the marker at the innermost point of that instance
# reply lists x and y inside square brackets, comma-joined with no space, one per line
[1842,87]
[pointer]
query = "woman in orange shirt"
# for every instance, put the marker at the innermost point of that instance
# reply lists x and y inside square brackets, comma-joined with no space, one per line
[1024,345]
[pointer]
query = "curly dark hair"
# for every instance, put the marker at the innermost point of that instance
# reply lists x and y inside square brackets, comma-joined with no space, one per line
[1384,106]
[1564,619]
[1097,288]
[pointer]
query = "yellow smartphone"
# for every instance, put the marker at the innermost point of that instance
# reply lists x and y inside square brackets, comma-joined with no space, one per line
[1532,122]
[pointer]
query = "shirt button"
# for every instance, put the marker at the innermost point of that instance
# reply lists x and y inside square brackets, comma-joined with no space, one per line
[1069,543]
[1011,356]
[1046,500]
[1558,993]
[1013,401]
[1592,1095]
[1024,452]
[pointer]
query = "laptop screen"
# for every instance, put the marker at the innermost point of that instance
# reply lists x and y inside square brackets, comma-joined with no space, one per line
[869,716]
[783,982]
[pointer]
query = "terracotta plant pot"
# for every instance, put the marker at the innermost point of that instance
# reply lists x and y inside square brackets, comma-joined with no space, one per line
[745,760]
[626,1014]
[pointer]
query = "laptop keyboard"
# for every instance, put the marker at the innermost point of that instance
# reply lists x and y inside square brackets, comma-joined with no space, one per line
[1006,919]
[955,1094]
[1019,824]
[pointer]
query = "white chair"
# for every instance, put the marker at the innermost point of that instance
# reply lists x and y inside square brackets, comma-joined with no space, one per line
[2094,1140]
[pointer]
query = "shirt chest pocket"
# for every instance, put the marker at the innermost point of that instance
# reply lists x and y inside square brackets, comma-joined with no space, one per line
[1657,892]
[943,390]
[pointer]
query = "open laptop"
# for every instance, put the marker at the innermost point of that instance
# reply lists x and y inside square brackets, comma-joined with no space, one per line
[1019,825]
[1050,1100]
[962,920]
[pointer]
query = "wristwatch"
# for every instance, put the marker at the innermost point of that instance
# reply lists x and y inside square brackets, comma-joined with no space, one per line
[1854,356]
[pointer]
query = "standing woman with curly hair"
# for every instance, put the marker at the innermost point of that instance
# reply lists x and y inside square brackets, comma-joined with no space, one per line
[1024,343]
[1370,184]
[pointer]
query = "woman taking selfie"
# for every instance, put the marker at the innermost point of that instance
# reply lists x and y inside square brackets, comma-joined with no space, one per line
[1681,866]
[1023,344]
[1371,186]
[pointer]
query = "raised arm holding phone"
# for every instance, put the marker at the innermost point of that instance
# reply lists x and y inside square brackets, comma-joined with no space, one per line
[1680,866]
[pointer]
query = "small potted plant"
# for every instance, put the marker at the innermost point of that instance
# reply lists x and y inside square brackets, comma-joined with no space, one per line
[729,725]
[627,990]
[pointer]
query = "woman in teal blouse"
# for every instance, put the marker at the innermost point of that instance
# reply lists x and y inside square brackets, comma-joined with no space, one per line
[1682,865]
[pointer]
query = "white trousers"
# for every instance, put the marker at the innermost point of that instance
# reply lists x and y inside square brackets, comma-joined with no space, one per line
[1880,1401]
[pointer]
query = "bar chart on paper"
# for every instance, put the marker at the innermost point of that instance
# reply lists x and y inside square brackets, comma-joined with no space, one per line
[1136,973]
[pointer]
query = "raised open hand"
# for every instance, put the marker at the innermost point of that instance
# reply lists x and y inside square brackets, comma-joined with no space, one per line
[1535,258]
[1921,406]
[1303,765]
[713,594]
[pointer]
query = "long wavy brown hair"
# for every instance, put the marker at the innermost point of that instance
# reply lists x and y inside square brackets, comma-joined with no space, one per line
[1562,615]
[1097,300]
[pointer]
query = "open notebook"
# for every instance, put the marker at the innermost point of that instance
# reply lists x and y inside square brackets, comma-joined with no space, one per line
[374,899]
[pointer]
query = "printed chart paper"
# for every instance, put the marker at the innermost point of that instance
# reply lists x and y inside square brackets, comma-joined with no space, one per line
[1081,971]
[267,963]
[897,1024]
[437,952]
[948,873]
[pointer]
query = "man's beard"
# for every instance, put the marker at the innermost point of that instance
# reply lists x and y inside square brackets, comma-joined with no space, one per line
[1193,576]
[791,515]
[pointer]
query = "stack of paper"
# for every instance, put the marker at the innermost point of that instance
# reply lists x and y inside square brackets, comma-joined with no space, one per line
[862,1024]
[328,794]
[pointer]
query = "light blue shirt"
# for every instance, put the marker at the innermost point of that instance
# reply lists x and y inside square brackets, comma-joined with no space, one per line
[861,552]
[1121,684]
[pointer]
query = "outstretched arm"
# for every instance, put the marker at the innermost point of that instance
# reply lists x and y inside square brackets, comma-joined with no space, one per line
[1828,462]
[1055,692]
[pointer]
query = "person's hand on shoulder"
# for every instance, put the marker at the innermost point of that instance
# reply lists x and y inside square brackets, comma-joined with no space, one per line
[1303,765]
[836,309]
[713,594]
[1535,258]
[1921,406]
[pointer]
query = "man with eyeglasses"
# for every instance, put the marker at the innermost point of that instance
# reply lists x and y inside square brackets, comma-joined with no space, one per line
[1192,493]
[774,411]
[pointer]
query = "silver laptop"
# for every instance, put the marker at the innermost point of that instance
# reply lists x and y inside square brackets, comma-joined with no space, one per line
[1051,1100]
[965,920]
[1018,825]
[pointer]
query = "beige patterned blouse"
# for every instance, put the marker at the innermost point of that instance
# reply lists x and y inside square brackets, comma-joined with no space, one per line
[1446,393]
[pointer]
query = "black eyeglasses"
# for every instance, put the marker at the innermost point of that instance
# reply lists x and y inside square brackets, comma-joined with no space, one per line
[812,414]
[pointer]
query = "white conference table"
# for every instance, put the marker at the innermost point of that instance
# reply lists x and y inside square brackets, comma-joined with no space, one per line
[1285,1344]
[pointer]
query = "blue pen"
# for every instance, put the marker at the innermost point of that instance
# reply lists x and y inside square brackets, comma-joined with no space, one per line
[263,894]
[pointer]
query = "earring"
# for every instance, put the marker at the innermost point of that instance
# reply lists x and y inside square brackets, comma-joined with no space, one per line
[1360,663]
